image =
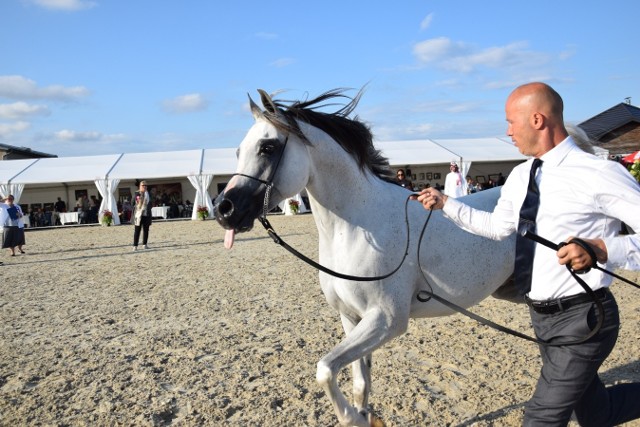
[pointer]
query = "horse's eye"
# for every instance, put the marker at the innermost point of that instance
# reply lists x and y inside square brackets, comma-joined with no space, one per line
[267,149]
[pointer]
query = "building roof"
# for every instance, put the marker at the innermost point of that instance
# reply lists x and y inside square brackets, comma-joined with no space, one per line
[13,152]
[609,120]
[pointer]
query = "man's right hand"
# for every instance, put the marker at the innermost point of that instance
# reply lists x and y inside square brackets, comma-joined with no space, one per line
[432,199]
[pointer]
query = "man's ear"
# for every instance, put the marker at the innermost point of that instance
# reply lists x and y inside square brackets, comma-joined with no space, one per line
[537,120]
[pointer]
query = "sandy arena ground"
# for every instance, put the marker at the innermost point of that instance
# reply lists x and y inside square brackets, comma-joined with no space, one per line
[190,334]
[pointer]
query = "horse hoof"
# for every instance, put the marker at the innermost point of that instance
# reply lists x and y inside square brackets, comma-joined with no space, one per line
[376,422]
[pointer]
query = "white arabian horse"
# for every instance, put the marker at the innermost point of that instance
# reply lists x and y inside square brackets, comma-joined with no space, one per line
[360,216]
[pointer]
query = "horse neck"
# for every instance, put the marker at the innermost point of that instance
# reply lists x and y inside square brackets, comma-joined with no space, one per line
[337,187]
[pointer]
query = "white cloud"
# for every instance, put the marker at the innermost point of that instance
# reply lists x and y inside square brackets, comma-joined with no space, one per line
[7,129]
[19,110]
[282,62]
[426,22]
[74,136]
[444,106]
[568,53]
[437,49]
[186,103]
[19,87]
[70,5]
[464,58]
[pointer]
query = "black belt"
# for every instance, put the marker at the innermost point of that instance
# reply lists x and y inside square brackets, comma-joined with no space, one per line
[561,304]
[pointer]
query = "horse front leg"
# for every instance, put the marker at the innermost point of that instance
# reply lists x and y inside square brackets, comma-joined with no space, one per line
[375,329]
[361,372]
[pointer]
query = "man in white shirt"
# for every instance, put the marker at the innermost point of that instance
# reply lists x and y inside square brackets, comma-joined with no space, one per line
[580,196]
[454,184]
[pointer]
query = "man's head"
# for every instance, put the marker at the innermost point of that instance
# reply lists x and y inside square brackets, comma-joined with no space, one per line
[534,116]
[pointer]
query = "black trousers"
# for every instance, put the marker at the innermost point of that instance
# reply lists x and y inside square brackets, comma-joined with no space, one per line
[145,223]
[569,379]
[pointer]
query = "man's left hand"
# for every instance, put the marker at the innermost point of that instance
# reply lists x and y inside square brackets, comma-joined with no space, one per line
[578,258]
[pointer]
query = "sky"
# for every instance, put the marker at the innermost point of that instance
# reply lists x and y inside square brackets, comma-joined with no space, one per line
[89,77]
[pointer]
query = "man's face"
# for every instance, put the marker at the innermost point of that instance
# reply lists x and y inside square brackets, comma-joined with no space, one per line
[519,128]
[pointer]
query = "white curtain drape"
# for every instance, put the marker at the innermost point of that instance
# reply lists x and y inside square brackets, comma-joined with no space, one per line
[201,184]
[464,170]
[107,188]
[15,189]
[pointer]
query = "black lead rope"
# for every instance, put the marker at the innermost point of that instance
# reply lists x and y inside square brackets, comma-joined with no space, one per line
[424,296]
[584,246]
[267,225]
[573,272]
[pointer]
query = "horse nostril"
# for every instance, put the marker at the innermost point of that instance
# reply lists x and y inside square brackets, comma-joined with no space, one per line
[225,208]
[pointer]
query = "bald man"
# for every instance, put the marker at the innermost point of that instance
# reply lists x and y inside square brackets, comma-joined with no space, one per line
[576,195]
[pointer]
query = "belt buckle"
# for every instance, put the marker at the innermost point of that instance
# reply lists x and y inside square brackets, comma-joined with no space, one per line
[559,304]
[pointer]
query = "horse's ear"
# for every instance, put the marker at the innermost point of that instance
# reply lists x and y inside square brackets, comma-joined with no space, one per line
[255,110]
[268,103]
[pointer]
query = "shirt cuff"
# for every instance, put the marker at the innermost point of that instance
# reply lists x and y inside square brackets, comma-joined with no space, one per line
[623,252]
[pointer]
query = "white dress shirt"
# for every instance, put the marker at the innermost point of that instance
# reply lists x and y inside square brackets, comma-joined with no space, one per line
[581,196]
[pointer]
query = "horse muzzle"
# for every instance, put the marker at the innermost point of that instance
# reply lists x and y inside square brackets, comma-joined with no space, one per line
[234,215]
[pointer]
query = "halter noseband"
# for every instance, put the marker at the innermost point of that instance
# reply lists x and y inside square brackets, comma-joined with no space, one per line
[268,183]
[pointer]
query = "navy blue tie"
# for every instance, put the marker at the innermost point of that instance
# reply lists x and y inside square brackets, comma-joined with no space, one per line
[525,248]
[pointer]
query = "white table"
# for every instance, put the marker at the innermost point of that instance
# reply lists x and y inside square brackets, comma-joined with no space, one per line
[160,211]
[68,217]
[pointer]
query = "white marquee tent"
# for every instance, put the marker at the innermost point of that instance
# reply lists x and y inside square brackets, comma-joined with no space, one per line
[106,172]
[200,166]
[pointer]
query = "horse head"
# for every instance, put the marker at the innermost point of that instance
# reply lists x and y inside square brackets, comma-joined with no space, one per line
[272,165]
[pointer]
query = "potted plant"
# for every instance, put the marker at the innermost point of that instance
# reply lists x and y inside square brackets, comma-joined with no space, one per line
[107,218]
[294,205]
[203,212]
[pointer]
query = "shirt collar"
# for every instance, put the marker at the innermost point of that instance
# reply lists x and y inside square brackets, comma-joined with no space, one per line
[557,154]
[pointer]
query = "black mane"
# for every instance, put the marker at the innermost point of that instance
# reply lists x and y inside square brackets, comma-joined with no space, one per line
[353,135]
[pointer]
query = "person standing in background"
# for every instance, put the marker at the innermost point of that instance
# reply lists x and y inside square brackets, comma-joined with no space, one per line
[453,182]
[403,181]
[141,215]
[13,226]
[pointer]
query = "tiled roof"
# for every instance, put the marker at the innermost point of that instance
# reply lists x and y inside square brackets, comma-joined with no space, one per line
[613,118]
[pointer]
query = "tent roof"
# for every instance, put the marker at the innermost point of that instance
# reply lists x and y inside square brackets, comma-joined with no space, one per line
[157,165]
[432,151]
[11,168]
[223,161]
[482,149]
[220,161]
[415,152]
[65,169]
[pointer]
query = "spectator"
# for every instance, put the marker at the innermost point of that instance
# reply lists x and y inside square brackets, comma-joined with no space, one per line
[141,215]
[403,181]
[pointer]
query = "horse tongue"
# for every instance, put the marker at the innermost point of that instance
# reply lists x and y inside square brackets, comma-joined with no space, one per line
[229,237]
